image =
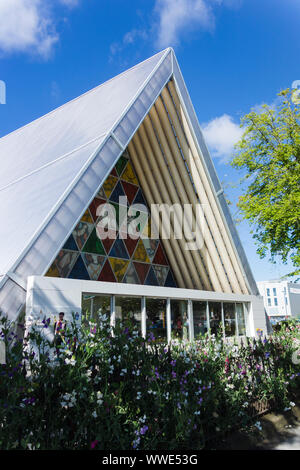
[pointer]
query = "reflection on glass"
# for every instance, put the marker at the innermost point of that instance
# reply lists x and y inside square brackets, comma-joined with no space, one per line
[200,320]
[94,306]
[179,319]
[156,319]
[128,311]
[215,317]
[241,319]
[229,319]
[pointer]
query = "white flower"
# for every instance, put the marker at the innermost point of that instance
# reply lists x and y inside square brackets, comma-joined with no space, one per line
[99,398]
[258,425]
[94,414]
[72,362]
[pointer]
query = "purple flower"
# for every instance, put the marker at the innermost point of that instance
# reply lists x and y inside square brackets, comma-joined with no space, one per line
[174,375]
[143,430]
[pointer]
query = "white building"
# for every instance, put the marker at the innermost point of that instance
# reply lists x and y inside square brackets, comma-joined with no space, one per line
[281,299]
[134,138]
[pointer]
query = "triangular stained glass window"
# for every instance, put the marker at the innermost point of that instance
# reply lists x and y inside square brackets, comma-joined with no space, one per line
[109,185]
[140,253]
[139,198]
[170,280]
[151,278]
[150,246]
[94,207]
[118,249]
[119,267]
[122,162]
[131,276]
[94,244]
[81,233]
[87,217]
[84,255]
[142,269]
[159,257]
[161,273]
[93,264]
[70,244]
[130,191]
[65,261]
[107,274]
[117,193]
[79,270]
[129,175]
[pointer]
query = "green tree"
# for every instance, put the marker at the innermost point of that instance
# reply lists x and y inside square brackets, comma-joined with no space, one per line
[269,155]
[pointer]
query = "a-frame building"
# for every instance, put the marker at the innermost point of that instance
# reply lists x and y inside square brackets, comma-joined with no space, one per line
[137,137]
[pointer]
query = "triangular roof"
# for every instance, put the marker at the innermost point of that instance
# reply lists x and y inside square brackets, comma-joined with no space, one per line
[52,168]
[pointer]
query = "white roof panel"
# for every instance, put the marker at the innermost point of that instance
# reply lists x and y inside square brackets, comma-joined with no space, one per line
[70,126]
[24,210]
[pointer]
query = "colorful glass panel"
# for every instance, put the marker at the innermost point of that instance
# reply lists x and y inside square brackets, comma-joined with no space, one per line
[119,267]
[110,253]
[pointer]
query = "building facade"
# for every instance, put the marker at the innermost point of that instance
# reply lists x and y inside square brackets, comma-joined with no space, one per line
[281,299]
[120,210]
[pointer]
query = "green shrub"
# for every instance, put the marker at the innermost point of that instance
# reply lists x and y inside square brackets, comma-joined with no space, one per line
[124,392]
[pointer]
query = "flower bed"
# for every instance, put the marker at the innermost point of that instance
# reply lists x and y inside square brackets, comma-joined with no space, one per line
[123,392]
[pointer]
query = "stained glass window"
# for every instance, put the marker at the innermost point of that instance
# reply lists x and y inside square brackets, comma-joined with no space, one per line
[102,246]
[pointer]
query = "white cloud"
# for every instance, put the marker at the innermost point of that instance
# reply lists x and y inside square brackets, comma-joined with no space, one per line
[177,17]
[171,20]
[26,25]
[221,134]
[29,26]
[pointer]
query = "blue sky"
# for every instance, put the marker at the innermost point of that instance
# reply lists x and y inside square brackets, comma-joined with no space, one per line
[234,54]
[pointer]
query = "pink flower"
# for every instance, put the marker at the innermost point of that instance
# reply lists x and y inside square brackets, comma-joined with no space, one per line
[93,444]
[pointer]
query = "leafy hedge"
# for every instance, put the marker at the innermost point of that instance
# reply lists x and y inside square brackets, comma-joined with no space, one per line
[122,392]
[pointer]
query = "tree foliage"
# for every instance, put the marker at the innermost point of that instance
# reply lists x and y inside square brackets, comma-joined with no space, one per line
[269,154]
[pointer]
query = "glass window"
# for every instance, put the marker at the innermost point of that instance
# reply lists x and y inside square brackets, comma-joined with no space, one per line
[269,302]
[95,305]
[286,301]
[229,319]
[275,301]
[156,319]
[274,291]
[199,319]
[128,311]
[268,292]
[241,319]
[215,317]
[179,319]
